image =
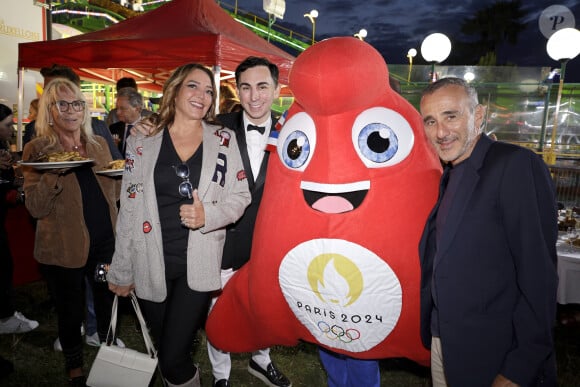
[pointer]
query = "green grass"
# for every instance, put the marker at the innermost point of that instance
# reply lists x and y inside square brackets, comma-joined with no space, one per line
[37,364]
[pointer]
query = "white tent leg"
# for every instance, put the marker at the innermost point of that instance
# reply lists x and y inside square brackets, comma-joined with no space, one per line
[19,128]
[216,76]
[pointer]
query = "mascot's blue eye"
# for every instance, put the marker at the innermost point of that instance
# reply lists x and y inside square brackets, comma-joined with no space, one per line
[377,142]
[296,149]
[296,143]
[382,137]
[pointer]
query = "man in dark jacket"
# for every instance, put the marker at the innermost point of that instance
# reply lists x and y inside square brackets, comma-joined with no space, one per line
[129,106]
[488,252]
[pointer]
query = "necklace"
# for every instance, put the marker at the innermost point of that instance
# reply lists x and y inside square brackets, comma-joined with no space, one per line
[75,147]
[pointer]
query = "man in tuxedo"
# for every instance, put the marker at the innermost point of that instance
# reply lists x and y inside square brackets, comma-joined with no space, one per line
[129,105]
[488,252]
[257,88]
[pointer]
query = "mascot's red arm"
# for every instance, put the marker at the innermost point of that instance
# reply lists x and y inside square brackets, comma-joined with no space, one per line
[348,189]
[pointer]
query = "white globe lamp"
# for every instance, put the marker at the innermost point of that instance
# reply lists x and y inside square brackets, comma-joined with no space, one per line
[562,46]
[435,49]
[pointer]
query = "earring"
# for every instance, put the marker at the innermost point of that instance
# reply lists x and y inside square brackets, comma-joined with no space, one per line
[50,123]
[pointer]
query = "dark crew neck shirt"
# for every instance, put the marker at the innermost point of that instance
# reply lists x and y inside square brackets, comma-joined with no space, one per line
[95,207]
[175,236]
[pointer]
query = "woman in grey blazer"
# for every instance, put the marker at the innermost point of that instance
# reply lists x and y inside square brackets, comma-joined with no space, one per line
[182,185]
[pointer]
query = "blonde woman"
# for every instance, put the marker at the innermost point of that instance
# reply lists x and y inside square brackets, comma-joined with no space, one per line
[76,213]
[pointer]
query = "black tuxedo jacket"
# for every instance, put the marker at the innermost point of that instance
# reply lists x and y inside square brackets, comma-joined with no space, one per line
[495,277]
[238,243]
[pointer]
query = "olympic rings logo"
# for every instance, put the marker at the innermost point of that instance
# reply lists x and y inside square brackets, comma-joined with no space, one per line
[336,332]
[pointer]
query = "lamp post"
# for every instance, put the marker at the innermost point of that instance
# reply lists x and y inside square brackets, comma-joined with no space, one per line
[562,46]
[274,9]
[362,34]
[435,49]
[312,15]
[410,55]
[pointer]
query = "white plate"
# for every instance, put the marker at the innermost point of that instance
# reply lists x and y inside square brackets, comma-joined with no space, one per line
[55,164]
[111,172]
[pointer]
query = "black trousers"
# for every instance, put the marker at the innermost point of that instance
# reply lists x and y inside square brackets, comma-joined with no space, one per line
[67,287]
[174,324]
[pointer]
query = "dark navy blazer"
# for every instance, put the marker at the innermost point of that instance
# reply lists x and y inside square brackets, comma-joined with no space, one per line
[495,278]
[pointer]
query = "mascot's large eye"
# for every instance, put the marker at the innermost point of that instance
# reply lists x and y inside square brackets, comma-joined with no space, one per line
[296,141]
[382,137]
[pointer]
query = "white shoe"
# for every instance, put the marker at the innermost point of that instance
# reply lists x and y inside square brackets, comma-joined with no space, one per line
[17,323]
[119,343]
[96,343]
[93,340]
[57,347]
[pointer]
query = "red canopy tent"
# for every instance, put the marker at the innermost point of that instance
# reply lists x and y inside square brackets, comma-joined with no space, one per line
[148,47]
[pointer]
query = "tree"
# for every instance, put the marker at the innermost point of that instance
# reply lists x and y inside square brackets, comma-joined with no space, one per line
[500,22]
[489,59]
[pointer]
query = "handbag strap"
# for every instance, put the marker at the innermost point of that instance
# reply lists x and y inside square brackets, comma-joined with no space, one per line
[112,326]
[148,342]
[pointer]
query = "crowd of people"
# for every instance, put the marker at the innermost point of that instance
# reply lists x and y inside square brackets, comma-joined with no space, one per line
[185,222]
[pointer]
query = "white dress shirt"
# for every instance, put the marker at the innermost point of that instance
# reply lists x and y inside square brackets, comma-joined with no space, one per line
[256,143]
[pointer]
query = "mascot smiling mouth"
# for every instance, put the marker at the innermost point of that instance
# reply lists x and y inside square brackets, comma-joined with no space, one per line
[334,198]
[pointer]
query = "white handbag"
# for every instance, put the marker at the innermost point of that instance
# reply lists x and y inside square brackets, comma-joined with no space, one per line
[123,367]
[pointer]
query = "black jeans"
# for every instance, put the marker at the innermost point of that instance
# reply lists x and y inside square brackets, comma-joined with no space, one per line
[67,288]
[174,324]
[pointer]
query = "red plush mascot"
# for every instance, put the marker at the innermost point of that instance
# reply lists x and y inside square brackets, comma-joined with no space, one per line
[349,186]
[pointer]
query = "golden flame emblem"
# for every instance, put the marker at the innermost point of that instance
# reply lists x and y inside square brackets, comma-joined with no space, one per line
[335,279]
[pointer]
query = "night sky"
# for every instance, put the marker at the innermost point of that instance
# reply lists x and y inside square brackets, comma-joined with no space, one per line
[395,26]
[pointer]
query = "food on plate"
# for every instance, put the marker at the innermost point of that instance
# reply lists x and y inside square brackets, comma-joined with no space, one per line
[54,157]
[115,164]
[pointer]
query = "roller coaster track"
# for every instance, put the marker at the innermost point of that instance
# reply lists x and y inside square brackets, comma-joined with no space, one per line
[102,13]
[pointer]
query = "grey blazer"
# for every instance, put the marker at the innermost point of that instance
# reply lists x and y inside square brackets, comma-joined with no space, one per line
[223,190]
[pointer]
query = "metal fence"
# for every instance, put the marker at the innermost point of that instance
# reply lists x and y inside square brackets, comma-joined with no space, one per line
[567,181]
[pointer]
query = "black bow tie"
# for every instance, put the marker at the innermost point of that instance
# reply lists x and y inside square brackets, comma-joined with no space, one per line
[260,129]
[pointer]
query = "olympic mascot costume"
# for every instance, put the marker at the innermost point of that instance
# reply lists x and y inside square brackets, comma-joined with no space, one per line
[349,186]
